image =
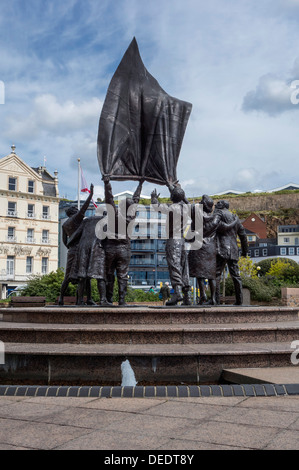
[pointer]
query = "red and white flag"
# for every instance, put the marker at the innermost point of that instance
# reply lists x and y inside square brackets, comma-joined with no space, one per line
[84,187]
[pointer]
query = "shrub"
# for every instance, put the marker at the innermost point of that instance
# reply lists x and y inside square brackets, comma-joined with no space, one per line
[260,289]
[47,286]
[284,272]
[265,264]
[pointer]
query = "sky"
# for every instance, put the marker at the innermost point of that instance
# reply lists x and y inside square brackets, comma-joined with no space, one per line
[236,61]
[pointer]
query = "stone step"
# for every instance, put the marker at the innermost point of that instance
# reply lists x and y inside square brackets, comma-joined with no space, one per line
[152,363]
[148,315]
[149,333]
[262,375]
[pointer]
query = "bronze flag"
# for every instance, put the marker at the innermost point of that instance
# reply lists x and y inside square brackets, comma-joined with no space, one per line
[141,127]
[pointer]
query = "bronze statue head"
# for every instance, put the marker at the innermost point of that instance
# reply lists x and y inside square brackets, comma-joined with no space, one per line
[177,195]
[222,204]
[72,210]
[207,203]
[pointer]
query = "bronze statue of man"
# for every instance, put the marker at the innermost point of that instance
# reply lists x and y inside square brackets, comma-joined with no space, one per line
[70,226]
[176,254]
[228,251]
[117,245]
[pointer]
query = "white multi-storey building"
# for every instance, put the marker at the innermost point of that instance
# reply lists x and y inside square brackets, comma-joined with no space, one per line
[29,205]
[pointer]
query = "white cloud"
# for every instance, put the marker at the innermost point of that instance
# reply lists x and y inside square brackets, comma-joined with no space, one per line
[48,115]
[57,59]
[273,95]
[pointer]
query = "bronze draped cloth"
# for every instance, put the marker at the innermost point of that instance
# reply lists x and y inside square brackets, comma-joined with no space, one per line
[141,127]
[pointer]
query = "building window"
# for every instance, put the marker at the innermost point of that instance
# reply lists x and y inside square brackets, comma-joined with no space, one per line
[256,252]
[29,264]
[10,266]
[283,251]
[286,240]
[12,209]
[46,214]
[30,186]
[30,235]
[30,211]
[265,252]
[291,251]
[11,234]
[297,251]
[250,238]
[44,265]
[12,184]
[45,236]
[296,241]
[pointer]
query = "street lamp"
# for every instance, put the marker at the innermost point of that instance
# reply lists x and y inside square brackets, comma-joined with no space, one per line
[258,270]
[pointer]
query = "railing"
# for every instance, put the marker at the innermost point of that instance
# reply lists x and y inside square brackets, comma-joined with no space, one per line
[142,262]
[45,241]
[30,240]
[13,277]
[142,246]
[11,213]
[46,217]
[11,238]
[30,215]
[7,277]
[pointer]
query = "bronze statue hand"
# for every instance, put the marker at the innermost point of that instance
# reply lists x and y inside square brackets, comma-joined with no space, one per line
[106,178]
[170,186]
[154,194]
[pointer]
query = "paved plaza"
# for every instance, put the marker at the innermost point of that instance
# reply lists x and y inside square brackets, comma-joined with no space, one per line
[157,424]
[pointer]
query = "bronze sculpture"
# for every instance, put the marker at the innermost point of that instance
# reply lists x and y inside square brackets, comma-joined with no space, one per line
[202,262]
[176,254]
[70,226]
[140,133]
[89,262]
[141,127]
[228,251]
[117,245]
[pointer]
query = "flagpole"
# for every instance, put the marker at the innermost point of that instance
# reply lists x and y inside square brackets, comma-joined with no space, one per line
[79,176]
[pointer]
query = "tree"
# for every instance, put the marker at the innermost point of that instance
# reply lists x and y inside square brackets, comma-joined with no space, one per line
[247,268]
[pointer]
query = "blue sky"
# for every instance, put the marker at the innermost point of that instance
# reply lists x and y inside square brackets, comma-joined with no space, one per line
[233,60]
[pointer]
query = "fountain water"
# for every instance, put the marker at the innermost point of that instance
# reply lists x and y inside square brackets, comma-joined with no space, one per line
[128,376]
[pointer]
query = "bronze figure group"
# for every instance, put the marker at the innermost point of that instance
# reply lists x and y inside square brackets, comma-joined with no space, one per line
[220,229]
[104,259]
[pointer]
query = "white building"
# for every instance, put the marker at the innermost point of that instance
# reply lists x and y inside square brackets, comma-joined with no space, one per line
[29,203]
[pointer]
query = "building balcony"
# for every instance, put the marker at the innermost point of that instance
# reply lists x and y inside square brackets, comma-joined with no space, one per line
[46,241]
[11,213]
[11,238]
[13,277]
[143,263]
[30,215]
[142,247]
[30,240]
[7,277]
[46,217]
